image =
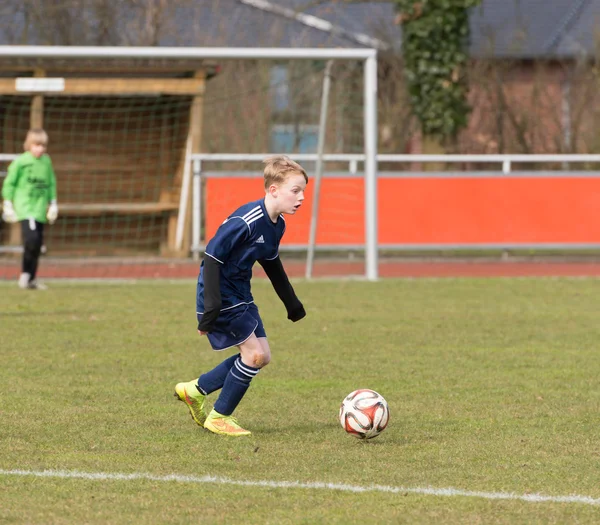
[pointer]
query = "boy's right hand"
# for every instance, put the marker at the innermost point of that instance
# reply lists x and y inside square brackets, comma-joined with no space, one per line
[209,318]
[8,212]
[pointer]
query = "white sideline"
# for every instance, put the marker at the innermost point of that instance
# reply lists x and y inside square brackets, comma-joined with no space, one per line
[429,491]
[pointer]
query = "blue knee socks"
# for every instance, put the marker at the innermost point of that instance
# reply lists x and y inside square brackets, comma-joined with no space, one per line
[235,386]
[215,379]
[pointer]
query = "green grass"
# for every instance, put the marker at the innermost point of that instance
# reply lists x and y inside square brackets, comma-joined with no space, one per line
[492,386]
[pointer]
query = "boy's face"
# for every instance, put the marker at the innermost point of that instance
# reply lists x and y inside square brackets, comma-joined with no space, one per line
[37,149]
[289,194]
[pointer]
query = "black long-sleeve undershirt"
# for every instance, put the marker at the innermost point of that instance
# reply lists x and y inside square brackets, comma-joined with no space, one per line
[279,279]
[276,274]
[212,294]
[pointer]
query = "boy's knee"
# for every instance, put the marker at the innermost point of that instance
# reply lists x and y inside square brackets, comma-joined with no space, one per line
[259,359]
[32,245]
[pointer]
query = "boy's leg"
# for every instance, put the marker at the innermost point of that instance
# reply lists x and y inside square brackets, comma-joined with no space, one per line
[193,393]
[32,243]
[215,379]
[254,355]
[36,248]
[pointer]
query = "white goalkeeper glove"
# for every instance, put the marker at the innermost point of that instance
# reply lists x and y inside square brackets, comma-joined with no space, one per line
[8,212]
[52,212]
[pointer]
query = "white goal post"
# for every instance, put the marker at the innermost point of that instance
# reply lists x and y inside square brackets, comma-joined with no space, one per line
[367,56]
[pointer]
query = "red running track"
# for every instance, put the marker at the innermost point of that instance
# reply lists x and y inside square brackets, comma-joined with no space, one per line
[94,269]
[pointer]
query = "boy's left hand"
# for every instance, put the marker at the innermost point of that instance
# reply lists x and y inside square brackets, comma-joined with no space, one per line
[52,213]
[297,312]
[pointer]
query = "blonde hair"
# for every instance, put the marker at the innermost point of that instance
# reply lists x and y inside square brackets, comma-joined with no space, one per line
[278,168]
[35,136]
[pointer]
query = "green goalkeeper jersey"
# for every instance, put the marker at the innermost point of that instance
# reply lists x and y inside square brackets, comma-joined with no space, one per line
[30,185]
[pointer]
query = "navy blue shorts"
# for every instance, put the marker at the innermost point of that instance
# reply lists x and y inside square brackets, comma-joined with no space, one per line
[234,326]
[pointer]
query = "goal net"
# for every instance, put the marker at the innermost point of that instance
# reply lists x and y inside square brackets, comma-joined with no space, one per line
[113,158]
[124,158]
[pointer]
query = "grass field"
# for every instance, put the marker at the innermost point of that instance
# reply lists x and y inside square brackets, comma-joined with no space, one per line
[493,387]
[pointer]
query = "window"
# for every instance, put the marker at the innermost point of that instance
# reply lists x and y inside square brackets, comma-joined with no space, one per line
[280,88]
[289,134]
[294,139]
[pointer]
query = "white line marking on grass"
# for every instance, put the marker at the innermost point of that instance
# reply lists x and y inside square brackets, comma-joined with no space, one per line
[429,491]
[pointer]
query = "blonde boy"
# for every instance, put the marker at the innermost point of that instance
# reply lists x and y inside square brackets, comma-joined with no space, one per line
[29,193]
[225,307]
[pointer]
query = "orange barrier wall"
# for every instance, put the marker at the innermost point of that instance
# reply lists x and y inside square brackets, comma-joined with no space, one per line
[435,210]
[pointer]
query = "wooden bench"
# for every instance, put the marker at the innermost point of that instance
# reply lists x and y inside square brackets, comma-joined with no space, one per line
[122,208]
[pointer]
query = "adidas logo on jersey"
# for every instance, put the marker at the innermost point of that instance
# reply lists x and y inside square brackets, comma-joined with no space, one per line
[260,240]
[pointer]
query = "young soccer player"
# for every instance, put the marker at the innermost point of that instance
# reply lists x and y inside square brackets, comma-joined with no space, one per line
[225,308]
[29,193]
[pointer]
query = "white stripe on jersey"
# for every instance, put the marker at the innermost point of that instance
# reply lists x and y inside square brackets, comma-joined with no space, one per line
[248,219]
[213,257]
[255,218]
[238,217]
[251,212]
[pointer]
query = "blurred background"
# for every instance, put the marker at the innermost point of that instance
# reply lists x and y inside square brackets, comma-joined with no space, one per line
[510,86]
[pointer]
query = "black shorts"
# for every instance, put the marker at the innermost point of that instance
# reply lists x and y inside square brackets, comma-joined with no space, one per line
[234,326]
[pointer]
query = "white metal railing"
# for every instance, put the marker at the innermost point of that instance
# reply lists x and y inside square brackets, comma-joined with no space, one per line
[505,162]
[504,159]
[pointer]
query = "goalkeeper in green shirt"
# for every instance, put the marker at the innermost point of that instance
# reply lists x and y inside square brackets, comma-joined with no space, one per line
[29,193]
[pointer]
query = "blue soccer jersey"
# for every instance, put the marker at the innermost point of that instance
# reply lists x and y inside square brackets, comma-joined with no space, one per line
[246,236]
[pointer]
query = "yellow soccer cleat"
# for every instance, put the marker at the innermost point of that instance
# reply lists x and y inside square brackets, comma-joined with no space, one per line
[191,396]
[224,425]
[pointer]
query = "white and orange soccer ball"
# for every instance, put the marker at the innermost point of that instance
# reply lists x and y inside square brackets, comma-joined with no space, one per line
[364,413]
